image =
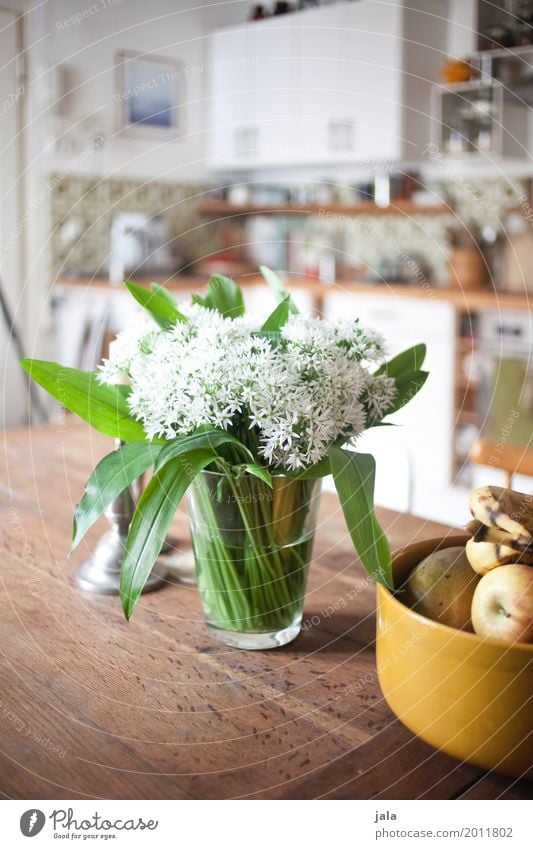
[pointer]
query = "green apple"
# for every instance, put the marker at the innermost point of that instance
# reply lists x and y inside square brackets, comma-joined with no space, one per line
[442,586]
[502,606]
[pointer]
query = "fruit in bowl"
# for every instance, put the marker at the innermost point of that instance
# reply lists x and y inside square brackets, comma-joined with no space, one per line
[502,606]
[442,587]
[501,550]
[487,584]
[501,528]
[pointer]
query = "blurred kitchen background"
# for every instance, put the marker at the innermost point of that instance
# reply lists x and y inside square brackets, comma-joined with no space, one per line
[377,153]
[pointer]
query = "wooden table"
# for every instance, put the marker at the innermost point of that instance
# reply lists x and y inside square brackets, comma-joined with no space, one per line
[91,706]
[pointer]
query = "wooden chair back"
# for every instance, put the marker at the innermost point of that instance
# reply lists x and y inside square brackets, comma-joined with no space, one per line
[511,459]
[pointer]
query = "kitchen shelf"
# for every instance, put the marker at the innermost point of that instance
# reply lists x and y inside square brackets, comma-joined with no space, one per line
[396,207]
[476,118]
[502,52]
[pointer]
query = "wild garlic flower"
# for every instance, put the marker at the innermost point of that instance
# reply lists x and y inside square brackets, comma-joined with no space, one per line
[298,393]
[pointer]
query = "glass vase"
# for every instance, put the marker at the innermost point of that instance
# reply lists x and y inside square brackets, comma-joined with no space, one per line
[252,546]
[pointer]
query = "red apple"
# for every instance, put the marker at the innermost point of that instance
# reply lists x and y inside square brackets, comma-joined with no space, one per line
[502,606]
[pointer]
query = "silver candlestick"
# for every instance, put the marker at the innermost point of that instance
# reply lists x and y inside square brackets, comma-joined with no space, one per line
[101,572]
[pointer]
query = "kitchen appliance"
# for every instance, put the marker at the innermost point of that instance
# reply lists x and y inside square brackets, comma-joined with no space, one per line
[139,245]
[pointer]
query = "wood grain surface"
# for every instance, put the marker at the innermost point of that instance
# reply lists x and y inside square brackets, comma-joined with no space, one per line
[94,707]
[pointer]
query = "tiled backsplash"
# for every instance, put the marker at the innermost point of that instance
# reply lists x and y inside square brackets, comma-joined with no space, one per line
[83,209]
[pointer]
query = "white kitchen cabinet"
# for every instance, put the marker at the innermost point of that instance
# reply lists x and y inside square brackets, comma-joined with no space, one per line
[252,104]
[344,83]
[350,99]
[413,459]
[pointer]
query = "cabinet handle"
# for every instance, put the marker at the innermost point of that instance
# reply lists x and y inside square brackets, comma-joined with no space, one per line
[348,135]
[333,136]
[340,135]
[245,140]
[237,140]
[253,137]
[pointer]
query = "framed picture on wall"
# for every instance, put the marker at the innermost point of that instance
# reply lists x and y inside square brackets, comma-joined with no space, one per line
[149,95]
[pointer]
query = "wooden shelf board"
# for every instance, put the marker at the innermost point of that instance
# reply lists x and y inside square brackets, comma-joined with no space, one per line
[396,207]
[464,300]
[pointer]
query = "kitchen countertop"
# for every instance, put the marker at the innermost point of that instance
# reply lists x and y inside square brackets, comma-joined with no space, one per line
[92,706]
[466,300]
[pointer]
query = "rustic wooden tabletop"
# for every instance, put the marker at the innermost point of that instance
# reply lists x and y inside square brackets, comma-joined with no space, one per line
[94,707]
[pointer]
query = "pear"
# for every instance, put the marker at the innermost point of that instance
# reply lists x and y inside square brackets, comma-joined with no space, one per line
[442,586]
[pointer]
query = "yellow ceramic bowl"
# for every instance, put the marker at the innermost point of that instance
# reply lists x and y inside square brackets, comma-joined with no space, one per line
[466,695]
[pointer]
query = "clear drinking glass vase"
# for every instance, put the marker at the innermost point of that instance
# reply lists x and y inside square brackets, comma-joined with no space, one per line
[252,546]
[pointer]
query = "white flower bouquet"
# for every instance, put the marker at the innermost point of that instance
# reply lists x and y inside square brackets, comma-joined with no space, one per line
[247,416]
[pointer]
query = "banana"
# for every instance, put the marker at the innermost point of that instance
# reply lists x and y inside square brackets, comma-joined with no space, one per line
[484,556]
[481,533]
[505,509]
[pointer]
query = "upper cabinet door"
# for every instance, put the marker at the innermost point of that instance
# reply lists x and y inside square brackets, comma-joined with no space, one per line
[228,94]
[350,66]
[253,94]
[322,106]
[373,77]
[273,108]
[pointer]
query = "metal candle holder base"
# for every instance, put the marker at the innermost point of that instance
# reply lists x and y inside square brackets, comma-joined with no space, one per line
[181,567]
[101,572]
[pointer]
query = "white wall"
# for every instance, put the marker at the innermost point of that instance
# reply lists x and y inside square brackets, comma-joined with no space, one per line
[12,243]
[85,52]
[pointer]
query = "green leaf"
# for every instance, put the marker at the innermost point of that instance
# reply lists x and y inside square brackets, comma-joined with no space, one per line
[278,317]
[105,407]
[110,477]
[160,290]
[205,439]
[354,476]
[151,521]
[159,306]
[222,295]
[411,359]
[407,385]
[278,287]
[259,472]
